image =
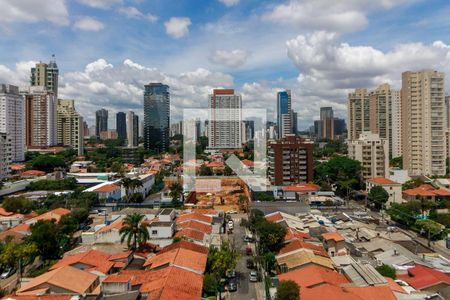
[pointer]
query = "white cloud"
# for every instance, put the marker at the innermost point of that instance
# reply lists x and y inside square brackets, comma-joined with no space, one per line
[230,2]
[120,87]
[31,11]
[103,4]
[177,27]
[133,13]
[19,76]
[88,24]
[339,16]
[233,58]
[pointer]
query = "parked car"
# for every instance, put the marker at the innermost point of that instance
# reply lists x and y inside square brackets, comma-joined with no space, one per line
[249,239]
[232,285]
[250,263]
[230,224]
[102,213]
[231,274]
[248,251]
[253,276]
[7,273]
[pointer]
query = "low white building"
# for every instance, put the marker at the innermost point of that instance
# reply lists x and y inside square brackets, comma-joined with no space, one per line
[394,189]
[399,175]
[107,191]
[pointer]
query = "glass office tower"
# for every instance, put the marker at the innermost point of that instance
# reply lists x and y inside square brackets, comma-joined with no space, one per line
[156,117]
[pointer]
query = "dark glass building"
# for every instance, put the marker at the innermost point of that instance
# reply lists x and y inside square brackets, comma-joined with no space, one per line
[121,125]
[156,117]
[101,121]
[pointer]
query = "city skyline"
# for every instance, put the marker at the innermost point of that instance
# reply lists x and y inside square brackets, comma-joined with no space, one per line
[320,59]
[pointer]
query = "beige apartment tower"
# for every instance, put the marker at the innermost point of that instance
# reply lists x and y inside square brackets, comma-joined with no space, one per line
[423,122]
[69,125]
[372,152]
[358,113]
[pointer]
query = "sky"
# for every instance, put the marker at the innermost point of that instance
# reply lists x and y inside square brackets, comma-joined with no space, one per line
[107,50]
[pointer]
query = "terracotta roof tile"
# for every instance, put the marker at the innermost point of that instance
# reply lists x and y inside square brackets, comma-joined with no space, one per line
[426,190]
[336,236]
[421,277]
[196,226]
[191,234]
[307,187]
[186,245]
[292,233]
[107,188]
[310,276]
[297,244]
[180,257]
[274,217]
[382,180]
[31,173]
[194,216]
[93,259]
[67,277]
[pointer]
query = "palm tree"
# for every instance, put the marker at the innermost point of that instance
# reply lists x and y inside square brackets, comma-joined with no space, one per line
[175,191]
[134,231]
[126,183]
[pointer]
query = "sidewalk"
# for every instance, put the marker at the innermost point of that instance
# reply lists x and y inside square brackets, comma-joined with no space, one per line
[260,291]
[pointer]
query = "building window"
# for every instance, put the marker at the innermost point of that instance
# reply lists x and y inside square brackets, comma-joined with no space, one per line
[154,232]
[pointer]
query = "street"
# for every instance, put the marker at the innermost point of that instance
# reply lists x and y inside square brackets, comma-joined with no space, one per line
[246,290]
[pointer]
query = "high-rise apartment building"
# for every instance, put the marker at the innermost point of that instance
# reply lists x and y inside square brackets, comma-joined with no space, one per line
[5,154]
[85,129]
[424,123]
[340,127]
[101,121]
[326,123]
[70,126]
[12,119]
[396,114]
[225,116]
[285,118]
[121,125]
[372,152]
[358,113]
[290,161]
[376,111]
[132,129]
[156,116]
[40,111]
[46,75]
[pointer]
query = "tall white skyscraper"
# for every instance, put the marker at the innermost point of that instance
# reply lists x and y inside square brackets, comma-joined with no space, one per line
[5,155]
[12,119]
[396,124]
[424,123]
[225,117]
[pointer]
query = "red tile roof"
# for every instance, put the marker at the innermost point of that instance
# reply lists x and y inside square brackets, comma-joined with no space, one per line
[93,259]
[107,188]
[195,225]
[382,180]
[54,214]
[194,216]
[292,233]
[191,234]
[180,257]
[248,163]
[313,275]
[37,297]
[335,236]
[115,225]
[426,190]
[215,164]
[295,245]
[274,217]
[421,277]
[307,187]
[394,286]
[205,211]
[328,291]
[5,213]
[186,245]
[31,173]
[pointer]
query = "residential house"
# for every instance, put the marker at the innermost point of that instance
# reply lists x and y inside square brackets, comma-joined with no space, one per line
[9,219]
[54,214]
[106,191]
[334,243]
[64,280]
[426,192]
[298,192]
[427,279]
[394,189]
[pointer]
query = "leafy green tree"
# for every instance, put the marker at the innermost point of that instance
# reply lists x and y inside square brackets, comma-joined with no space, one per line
[45,234]
[13,253]
[221,260]
[341,170]
[411,184]
[205,171]
[80,214]
[227,171]
[270,261]
[430,228]
[271,235]
[46,163]
[210,285]
[404,213]
[68,225]
[378,196]
[386,271]
[53,185]
[288,290]
[176,190]
[263,196]
[134,231]
[18,205]
[396,162]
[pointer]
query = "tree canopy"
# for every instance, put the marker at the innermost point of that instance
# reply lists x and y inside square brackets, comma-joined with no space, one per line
[288,290]
[134,231]
[386,271]
[46,163]
[378,196]
[18,205]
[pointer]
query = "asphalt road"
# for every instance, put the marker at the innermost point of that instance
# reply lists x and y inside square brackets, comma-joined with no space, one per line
[245,290]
